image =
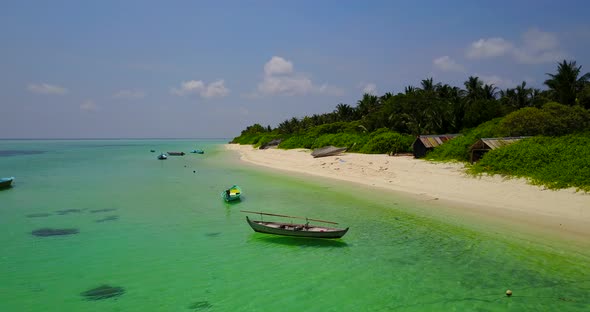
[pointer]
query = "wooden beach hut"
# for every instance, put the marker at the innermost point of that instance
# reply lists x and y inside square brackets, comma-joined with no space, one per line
[426,143]
[485,145]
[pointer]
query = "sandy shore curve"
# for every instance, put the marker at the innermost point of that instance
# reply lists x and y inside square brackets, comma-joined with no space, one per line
[565,211]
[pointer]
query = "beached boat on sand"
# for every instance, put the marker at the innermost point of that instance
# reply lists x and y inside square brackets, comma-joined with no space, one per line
[231,194]
[291,229]
[6,182]
[328,151]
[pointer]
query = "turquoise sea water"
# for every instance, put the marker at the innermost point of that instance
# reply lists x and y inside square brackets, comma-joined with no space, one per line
[164,235]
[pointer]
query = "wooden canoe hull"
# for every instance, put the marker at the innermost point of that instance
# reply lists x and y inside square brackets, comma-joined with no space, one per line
[298,230]
[328,151]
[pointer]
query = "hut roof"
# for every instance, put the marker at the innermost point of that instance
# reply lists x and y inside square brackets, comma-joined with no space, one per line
[434,140]
[493,143]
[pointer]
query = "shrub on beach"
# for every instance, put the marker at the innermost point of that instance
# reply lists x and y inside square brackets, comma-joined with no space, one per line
[349,140]
[384,141]
[248,138]
[297,141]
[555,162]
[552,120]
[335,128]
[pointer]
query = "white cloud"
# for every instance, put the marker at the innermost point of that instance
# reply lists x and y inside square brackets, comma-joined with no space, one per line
[497,81]
[214,89]
[539,47]
[88,105]
[285,85]
[370,88]
[536,47]
[446,63]
[45,88]
[278,65]
[188,87]
[486,48]
[129,94]
[280,79]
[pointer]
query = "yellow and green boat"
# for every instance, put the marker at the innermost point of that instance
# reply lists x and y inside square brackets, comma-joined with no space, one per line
[231,194]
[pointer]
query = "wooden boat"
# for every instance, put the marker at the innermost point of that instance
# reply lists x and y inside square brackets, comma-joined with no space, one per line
[231,194]
[162,156]
[273,143]
[328,151]
[176,153]
[291,229]
[6,182]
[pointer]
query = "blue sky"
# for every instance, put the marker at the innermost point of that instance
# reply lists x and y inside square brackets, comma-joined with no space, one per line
[208,69]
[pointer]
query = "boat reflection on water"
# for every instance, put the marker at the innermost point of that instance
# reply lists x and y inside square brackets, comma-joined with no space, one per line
[296,241]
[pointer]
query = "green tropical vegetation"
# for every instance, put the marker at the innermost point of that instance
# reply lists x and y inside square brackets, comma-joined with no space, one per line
[555,162]
[557,119]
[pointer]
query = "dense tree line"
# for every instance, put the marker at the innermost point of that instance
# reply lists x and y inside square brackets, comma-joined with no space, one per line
[556,120]
[436,108]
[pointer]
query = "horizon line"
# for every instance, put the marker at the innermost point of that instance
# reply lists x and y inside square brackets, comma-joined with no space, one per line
[15,139]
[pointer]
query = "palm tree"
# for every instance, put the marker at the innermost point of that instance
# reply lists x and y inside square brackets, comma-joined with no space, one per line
[565,84]
[344,112]
[474,88]
[428,85]
[385,97]
[524,95]
[489,91]
[368,104]
[409,89]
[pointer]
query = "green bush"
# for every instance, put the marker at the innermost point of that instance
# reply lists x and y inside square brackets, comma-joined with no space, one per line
[555,162]
[297,141]
[248,138]
[339,140]
[336,127]
[384,141]
[552,120]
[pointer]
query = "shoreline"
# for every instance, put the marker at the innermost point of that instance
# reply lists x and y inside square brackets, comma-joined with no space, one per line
[562,214]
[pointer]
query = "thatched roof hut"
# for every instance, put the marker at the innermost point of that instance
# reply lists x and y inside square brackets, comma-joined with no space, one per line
[425,143]
[485,145]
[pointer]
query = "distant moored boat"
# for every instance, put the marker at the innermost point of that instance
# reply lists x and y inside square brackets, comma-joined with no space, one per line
[176,153]
[231,194]
[162,156]
[6,182]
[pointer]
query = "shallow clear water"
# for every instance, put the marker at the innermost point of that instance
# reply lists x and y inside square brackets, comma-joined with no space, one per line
[173,245]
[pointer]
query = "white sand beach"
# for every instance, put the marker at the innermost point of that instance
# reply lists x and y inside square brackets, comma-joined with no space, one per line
[511,200]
